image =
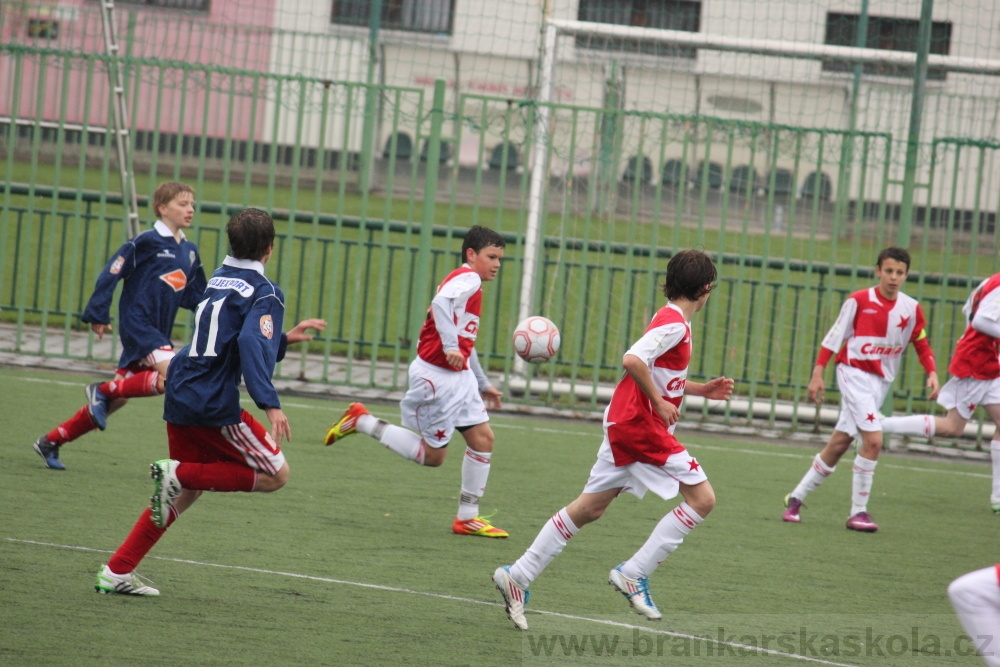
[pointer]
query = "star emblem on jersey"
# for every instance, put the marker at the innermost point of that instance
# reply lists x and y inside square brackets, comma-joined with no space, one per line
[903,322]
[972,407]
[870,417]
[176,279]
[694,465]
[440,434]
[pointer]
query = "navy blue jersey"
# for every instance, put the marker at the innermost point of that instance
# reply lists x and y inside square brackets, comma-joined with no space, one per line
[237,335]
[161,275]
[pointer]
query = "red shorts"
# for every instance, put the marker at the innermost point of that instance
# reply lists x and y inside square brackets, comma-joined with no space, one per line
[247,443]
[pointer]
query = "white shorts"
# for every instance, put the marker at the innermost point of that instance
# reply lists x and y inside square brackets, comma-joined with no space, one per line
[440,400]
[148,362]
[637,478]
[861,397]
[964,394]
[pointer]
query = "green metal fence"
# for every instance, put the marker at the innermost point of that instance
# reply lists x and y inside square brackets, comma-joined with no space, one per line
[794,216]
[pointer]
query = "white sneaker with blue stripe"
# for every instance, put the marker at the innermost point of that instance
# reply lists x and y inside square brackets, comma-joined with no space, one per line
[636,591]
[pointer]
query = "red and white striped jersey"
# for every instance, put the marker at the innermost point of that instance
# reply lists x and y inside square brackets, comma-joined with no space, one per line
[636,433]
[871,333]
[464,288]
[976,353]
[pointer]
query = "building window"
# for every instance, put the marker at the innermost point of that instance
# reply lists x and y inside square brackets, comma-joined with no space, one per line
[889,34]
[43,28]
[193,5]
[413,15]
[663,14]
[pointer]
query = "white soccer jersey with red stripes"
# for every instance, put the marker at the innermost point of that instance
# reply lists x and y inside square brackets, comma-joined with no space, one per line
[635,431]
[464,288]
[976,352]
[876,331]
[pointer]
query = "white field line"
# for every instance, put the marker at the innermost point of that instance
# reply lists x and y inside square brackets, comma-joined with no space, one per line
[454,598]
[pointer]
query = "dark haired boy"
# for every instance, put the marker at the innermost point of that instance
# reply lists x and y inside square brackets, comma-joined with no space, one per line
[216,445]
[869,337]
[640,452]
[448,389]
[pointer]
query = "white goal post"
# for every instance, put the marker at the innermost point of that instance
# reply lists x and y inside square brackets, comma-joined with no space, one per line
[554,28]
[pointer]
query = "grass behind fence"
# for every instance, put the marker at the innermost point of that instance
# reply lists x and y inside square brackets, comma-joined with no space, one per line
[762,328]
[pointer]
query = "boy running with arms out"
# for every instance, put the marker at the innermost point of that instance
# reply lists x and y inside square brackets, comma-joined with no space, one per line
[162,273]
[448,389]
[639,451]
[869,337]
[215,445]
[975,379]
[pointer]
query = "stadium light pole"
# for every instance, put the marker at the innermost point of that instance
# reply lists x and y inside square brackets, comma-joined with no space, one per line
[539,176]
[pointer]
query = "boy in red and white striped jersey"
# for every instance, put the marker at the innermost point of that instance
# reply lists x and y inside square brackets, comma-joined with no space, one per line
[449,390]
[639,452]
[975,379]
[871,333]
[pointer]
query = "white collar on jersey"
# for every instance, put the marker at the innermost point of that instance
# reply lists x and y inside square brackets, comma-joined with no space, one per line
[251,264]
[162,229]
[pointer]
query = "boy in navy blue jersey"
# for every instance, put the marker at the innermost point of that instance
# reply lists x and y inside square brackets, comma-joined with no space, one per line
[162,273]
[215,445]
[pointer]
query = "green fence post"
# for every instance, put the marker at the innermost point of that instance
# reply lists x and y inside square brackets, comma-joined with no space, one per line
[371,99]
[422,286]
[916,116]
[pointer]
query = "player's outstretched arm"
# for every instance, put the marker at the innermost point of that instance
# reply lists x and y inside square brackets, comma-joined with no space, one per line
[279,425]
[720,389]
[298,333]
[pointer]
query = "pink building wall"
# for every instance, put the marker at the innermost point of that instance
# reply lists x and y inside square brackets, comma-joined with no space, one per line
[232,34]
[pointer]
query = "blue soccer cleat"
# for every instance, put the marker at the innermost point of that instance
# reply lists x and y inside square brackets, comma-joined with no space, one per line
[49,451]
[97,405]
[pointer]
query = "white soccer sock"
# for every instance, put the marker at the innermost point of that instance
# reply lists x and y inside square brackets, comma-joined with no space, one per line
[995,456]
[403,441]
[818,472]
[918,425]
[548,544]
[475,472]
[976,598]
[665,538]
[861,487]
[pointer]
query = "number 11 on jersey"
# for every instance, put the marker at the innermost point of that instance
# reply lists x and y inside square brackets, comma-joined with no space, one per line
[213,328]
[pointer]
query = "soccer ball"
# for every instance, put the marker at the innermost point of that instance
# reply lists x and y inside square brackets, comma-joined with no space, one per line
[536,339]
